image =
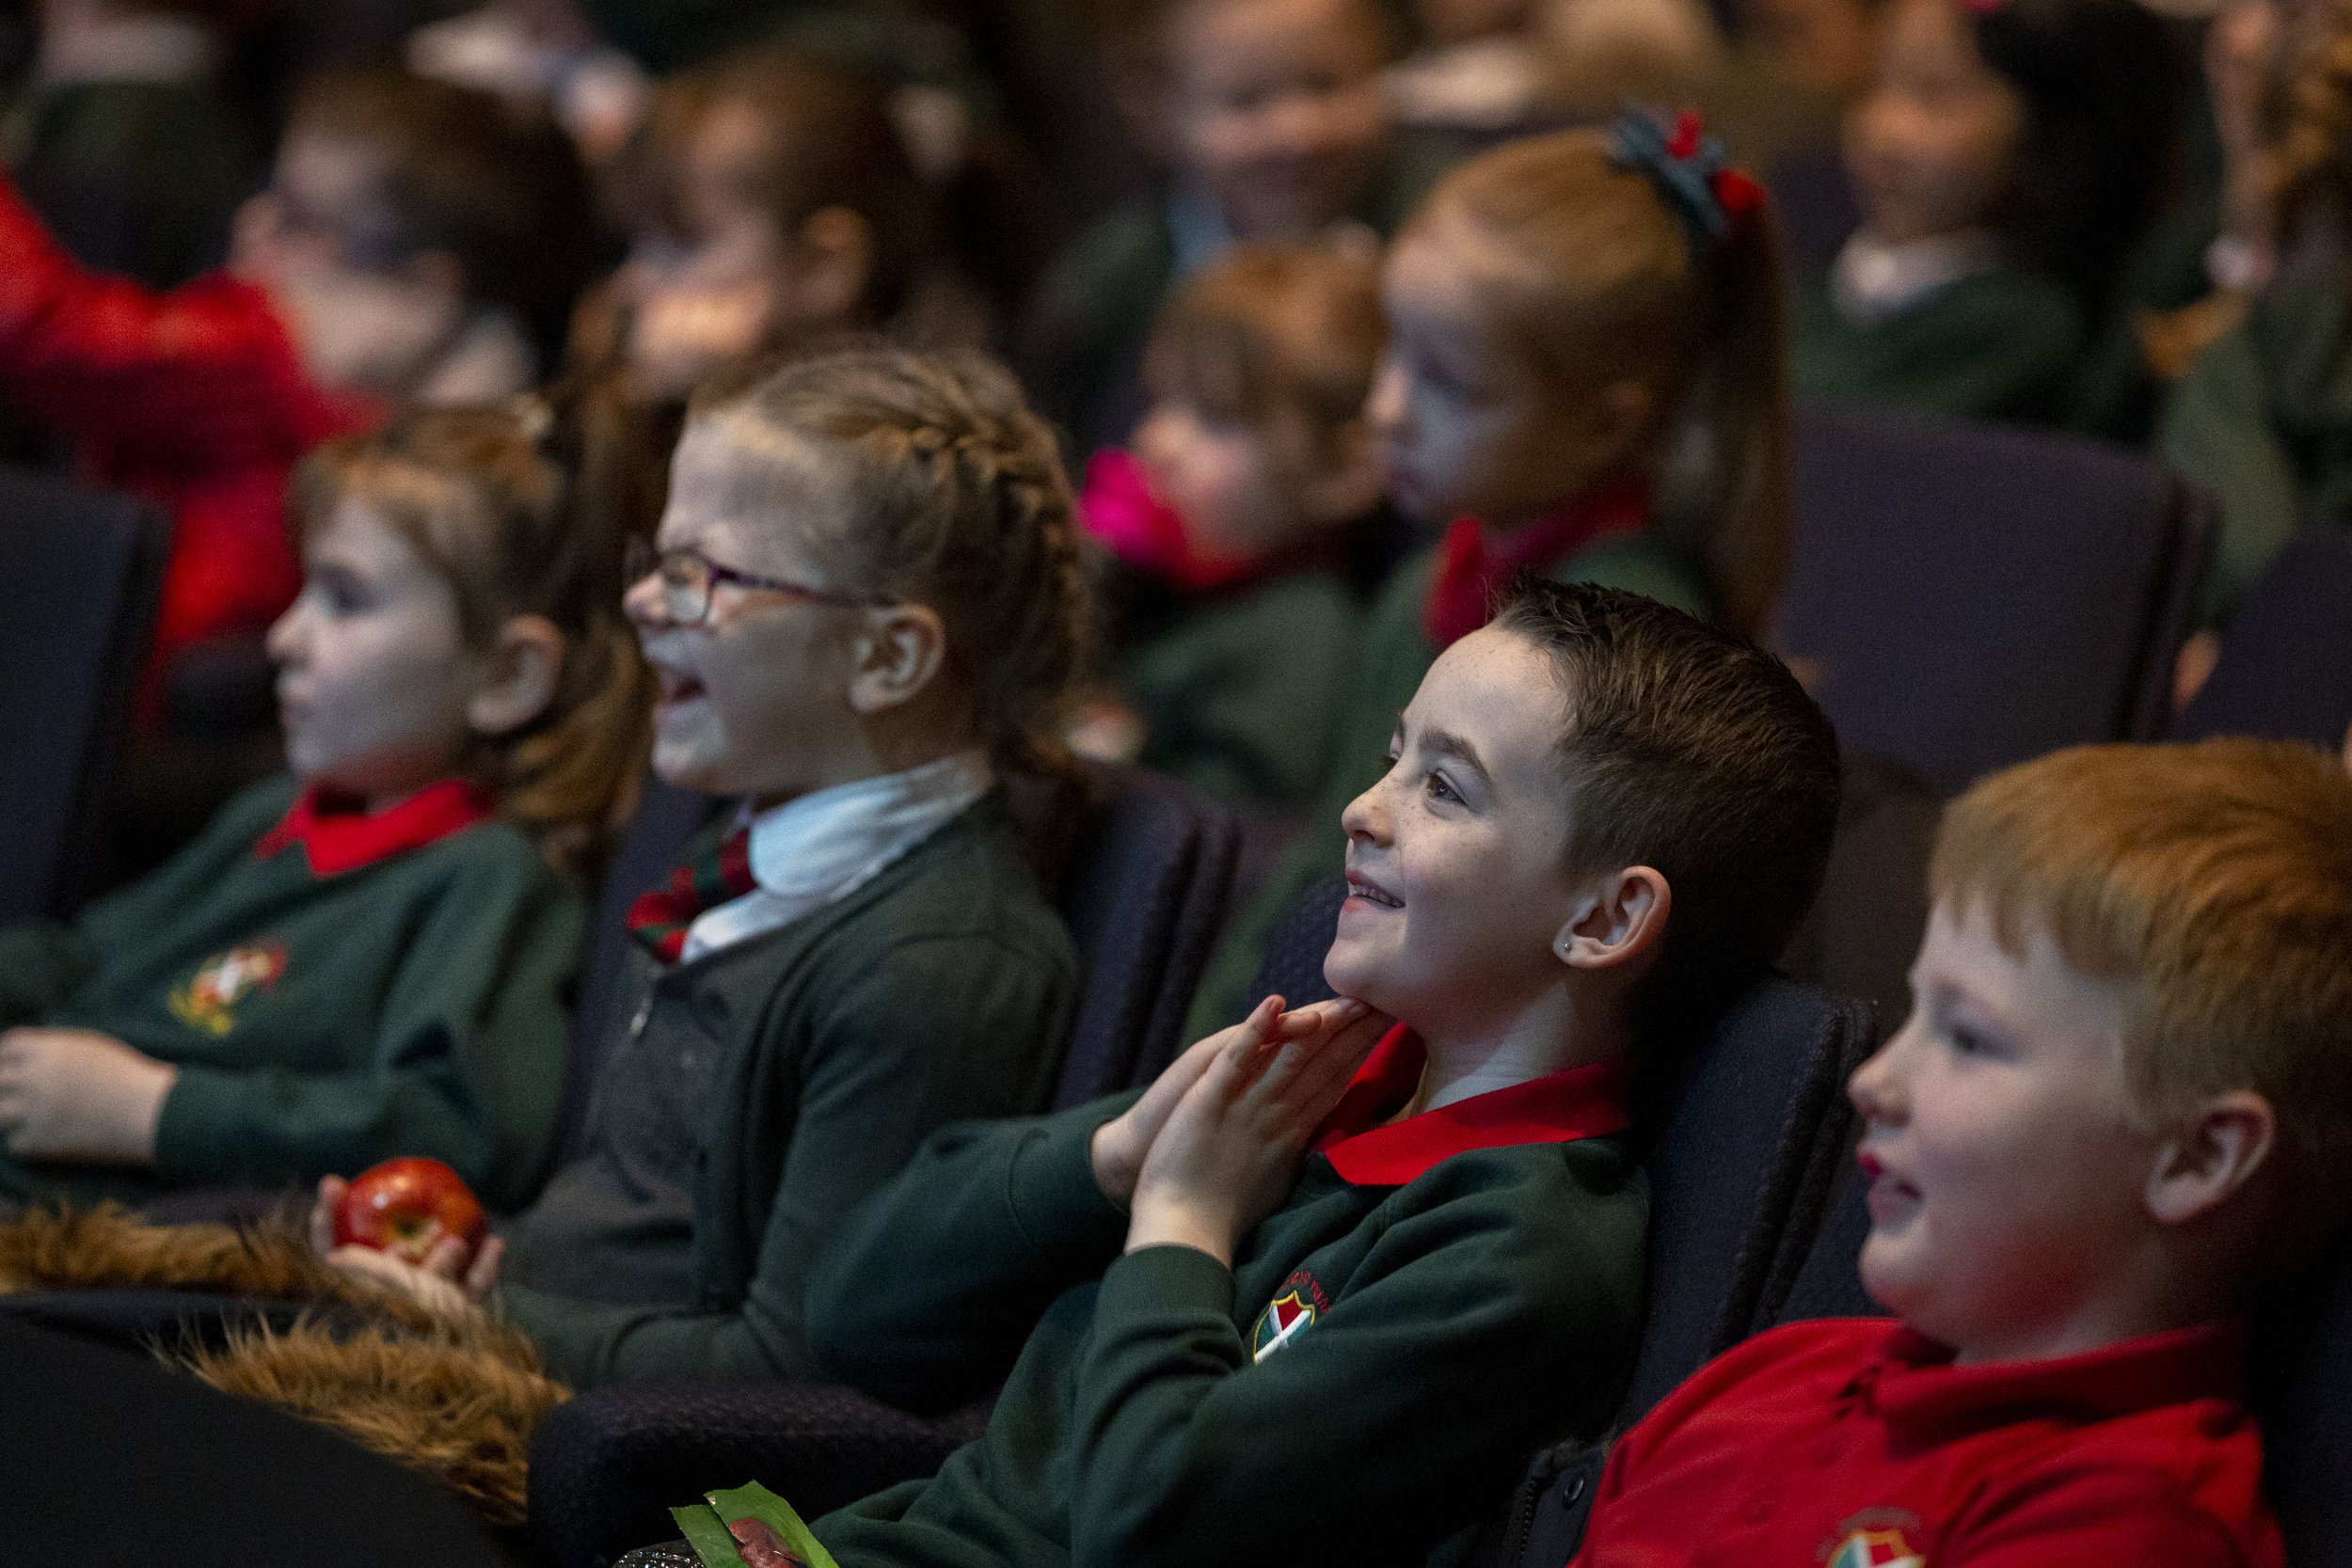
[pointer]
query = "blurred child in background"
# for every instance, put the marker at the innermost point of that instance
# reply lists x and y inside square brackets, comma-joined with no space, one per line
[2005,157]
[369,957]
[1557,309]
[1231,520]
[865,612]
[1272,118]
[772,209]
[2261,420]
[412,238]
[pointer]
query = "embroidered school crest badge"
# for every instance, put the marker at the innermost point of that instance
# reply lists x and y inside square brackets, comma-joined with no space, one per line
[209,1000]
[1285,1317]
[1876,1549]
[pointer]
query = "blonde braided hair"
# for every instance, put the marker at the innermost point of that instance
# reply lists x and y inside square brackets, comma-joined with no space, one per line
[956,500]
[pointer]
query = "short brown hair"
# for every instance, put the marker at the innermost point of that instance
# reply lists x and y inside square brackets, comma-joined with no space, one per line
[956,499]
[524,509]
[1272,327]
[1695,751]
[2215,880]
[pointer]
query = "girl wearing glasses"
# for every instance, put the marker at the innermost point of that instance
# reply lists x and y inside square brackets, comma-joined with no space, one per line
[368,957]
[864,613]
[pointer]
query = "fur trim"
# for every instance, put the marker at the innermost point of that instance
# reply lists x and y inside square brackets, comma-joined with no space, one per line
[454,1398]
[458,1403]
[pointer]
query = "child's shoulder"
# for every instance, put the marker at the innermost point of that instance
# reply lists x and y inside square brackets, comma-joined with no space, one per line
[970,881]
[2301,333]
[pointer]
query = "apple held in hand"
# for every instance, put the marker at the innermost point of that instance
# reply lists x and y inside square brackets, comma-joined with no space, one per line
[406,1206]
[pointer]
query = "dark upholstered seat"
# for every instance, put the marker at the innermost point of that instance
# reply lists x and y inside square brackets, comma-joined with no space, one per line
[77,606]
[2286,661]
[1961,597]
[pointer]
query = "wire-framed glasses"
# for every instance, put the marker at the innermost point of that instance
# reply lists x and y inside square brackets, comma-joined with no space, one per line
[689,578]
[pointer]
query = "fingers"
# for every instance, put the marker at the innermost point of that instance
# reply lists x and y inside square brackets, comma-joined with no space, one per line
[330,1199]
[1334,1020]
[483,1276]
[446,1257]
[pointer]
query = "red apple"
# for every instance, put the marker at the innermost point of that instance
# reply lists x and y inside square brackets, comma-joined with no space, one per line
[406,1206]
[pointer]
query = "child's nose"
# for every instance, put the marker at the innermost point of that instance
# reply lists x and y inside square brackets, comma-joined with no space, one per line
[642,601]
[1384,409]
[1364,819]
[1875,1088]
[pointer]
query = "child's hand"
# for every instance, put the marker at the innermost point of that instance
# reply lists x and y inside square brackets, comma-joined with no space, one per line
[1227,1152]
[75,1094]
[448,1284]
[1121,1144]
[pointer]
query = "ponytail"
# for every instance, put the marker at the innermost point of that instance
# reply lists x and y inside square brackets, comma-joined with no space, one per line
[1738,373]
[1743,404]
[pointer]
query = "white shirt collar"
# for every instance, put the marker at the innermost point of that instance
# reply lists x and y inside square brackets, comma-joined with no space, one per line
[824,845]
[1873,279]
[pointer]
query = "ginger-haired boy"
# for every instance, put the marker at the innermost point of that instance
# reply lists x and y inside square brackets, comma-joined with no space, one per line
[2123,1098]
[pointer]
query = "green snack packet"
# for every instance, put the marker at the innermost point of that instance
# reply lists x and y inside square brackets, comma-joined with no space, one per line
[765,1531]
[707,1534]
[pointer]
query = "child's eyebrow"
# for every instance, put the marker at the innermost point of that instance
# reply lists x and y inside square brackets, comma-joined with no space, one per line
[1446,743]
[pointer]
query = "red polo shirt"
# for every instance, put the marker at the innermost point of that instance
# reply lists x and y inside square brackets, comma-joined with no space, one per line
[1855,1443]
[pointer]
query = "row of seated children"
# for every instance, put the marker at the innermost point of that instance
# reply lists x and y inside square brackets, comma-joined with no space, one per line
[867,599]
[1311,1295]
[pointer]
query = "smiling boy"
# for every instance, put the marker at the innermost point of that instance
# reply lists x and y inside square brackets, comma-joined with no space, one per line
[2122,1099]
[1313,1296]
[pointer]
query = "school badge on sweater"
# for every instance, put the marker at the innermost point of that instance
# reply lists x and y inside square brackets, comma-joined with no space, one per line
[1287,1316]
[209,1000]
[1876,1549]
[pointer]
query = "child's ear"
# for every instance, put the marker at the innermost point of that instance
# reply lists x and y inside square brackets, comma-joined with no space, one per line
[2212,1154]
[1617,919]
[898,655]
[1346,482]
[831,267]
[519,678]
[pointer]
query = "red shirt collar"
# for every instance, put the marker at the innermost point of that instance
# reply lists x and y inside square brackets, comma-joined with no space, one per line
[339,834]
[1369,1150]
[1473,563]
[1910,1381]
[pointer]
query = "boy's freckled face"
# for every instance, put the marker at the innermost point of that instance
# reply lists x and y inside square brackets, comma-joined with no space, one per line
[1932,144]
[755,701]
[1467,426]
[2008,1180]
[1456,883]
[1276,109]
[373,676]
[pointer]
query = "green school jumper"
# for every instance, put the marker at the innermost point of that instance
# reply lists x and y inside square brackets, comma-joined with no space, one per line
[1393,655]
[411,1004]
[762,1090]
[1239,691]
[1434,1299]
[2263,422]
[1998,345]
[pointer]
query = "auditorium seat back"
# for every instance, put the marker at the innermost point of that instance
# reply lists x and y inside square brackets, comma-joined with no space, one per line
[1961,598]
[2286,659]
[77,604]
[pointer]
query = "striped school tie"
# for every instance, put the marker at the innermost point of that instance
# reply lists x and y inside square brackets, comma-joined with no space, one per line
[660,919]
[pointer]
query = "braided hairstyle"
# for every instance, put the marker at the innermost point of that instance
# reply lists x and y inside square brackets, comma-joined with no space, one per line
[955,498]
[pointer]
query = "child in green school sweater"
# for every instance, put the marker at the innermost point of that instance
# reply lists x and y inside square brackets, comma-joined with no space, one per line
[1275,1284]
[1231,521]
[368,957]
[2004,159]
[1557,310]
[864,609]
